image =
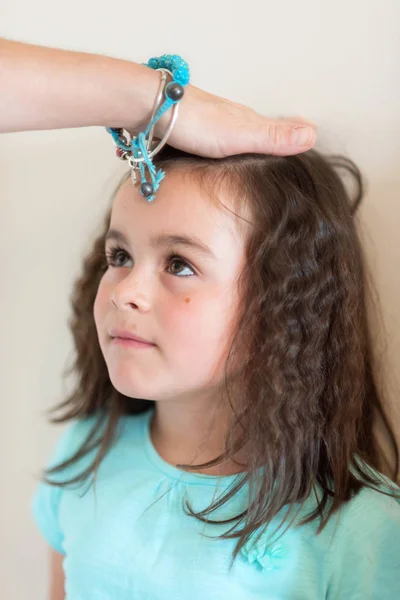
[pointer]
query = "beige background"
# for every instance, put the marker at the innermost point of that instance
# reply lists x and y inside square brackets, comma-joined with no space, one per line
[336,63]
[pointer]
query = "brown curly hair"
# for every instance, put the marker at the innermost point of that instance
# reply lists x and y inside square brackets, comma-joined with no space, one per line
[308,391]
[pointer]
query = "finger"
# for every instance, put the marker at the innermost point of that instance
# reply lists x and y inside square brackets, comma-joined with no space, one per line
[296,120]
[283,137]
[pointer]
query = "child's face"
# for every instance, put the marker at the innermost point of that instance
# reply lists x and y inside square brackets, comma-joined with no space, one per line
[185,304]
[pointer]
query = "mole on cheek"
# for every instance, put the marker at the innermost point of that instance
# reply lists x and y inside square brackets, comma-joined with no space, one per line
[187,300]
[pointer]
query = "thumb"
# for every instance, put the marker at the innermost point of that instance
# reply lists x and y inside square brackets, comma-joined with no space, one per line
[287,135]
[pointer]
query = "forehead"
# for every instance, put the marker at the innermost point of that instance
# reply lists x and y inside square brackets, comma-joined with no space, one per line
[182,205]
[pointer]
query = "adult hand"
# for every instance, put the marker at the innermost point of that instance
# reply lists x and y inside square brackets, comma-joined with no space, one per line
[209,125]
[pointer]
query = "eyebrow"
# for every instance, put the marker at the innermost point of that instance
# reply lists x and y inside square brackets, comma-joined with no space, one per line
[165,240]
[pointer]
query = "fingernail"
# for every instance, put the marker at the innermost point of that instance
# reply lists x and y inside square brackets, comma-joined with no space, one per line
[302,136]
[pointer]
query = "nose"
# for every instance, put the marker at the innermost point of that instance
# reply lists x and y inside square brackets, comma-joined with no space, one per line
[131,293]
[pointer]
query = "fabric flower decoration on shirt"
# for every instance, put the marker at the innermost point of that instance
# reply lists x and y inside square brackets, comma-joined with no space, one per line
[268,557]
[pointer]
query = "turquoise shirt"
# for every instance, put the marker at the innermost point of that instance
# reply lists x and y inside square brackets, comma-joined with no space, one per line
[129,538]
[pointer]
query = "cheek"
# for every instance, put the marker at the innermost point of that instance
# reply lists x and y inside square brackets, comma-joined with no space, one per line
[198,322]
[100,305]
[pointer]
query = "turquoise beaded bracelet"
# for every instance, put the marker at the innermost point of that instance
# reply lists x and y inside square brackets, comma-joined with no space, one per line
[138,151]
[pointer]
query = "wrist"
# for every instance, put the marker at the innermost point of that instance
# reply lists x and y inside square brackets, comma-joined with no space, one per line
[137,100]
[136,96]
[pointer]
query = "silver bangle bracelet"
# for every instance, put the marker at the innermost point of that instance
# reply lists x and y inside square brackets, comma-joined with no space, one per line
[164,75]
[163,141]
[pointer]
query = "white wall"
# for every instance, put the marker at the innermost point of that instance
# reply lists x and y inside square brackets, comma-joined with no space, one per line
[336,63]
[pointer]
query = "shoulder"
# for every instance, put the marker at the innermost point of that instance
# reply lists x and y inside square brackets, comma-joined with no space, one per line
[378,507]
[90,430]
[75,433]
[365,558]
[46,498]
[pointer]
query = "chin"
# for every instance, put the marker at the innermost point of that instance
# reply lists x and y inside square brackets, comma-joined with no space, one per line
[131,386]
[133,382]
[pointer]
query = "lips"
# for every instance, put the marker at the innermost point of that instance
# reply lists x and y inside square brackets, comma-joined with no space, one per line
[127,335]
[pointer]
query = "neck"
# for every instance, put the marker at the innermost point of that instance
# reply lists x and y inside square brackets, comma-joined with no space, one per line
[192,432]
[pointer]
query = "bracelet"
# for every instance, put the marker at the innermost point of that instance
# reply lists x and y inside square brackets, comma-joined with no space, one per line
[121,140]
[164,75]
[138,150]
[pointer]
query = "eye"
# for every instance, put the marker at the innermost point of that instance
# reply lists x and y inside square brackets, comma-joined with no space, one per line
[177,266]
[115,253]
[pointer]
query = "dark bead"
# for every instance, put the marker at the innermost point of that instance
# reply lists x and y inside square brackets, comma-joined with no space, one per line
[174,91]
[146,189]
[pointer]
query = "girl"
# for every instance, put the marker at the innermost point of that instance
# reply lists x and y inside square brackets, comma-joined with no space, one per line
[220,440]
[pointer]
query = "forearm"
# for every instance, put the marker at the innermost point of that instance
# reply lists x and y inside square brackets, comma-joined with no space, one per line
[46,88]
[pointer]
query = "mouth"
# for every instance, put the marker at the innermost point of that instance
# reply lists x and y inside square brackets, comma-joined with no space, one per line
[128,343]
[128,339]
